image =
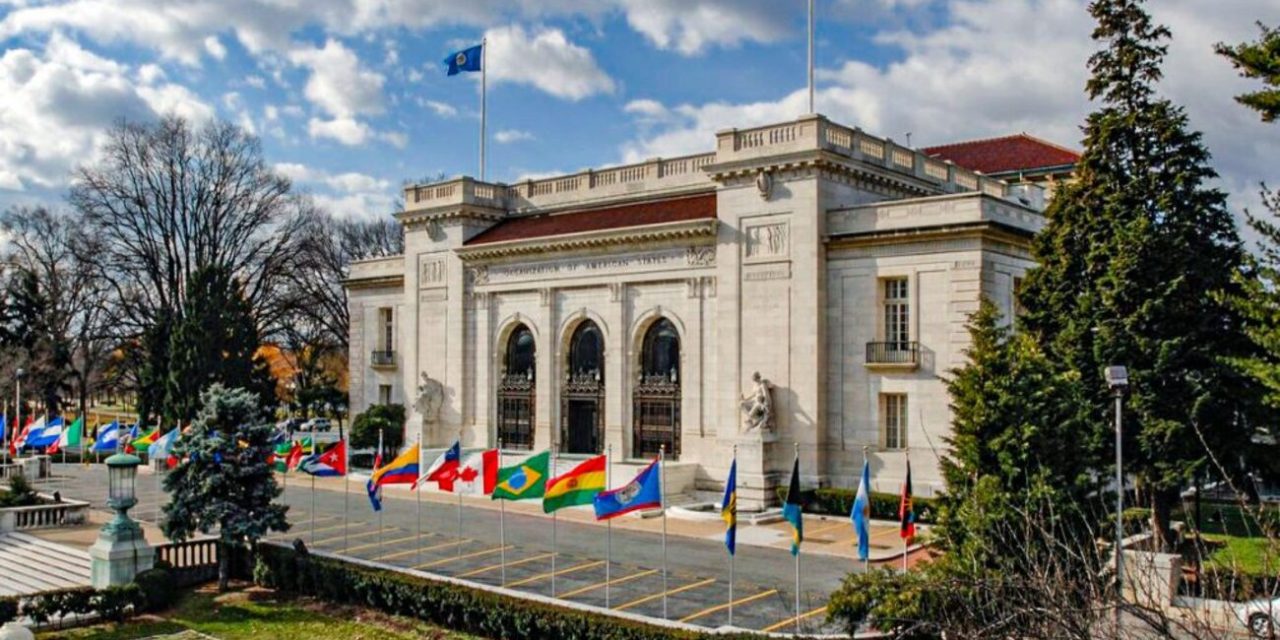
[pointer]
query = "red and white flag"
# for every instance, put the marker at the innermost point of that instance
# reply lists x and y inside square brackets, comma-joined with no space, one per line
[478,475]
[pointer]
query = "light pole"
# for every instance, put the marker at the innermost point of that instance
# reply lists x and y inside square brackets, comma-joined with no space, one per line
[121,551]
[1118,382]
[18,375]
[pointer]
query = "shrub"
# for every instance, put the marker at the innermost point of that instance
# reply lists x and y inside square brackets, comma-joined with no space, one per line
[20,493]
[386,418]
[158,588]
[456,607]
[115,603]
[8,609]
[838,502]
[1136,520]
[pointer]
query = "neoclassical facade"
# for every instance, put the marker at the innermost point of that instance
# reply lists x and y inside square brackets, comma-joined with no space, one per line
[802,287]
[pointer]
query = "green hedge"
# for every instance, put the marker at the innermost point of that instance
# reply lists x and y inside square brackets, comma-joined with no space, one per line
[455,607]
[839,502]
[153,590]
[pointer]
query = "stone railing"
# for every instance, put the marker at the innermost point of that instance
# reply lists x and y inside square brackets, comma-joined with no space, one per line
[44,516]
[375,268]
[653,175]
[816,132]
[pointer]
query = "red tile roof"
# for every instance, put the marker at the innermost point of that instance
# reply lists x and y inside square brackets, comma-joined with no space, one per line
[631,215]
[1014,153]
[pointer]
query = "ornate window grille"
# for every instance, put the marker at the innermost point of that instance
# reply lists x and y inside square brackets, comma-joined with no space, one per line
[516,391]
[582,398]
[656,398]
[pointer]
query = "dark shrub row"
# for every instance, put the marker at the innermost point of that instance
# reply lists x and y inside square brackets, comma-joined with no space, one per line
[153,590]
[838,502]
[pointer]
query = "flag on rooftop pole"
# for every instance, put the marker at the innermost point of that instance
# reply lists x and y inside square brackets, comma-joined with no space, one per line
[729,513]
[472,59]
[793,514]
[860,514]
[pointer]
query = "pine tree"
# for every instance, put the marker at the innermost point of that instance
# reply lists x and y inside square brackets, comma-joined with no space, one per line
[214,341]
[1260,60]
[1016,424]
[224,482]
[1128,259]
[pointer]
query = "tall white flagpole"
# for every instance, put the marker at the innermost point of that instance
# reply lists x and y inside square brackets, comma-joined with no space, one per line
[417,490]
[797,468]
[378,490]
[313,491]
[662,494]
[456,488]
[811,56]
[346,490]
[608,539]
[866,562]
[502,523]
[484,107]
[554,549]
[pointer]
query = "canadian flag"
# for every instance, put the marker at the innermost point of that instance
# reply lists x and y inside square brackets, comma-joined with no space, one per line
[479,474]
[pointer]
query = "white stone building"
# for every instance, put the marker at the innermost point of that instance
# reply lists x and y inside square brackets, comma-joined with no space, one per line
[631,306]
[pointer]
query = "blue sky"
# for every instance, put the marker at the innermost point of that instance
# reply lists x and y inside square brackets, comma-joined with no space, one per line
[350,97]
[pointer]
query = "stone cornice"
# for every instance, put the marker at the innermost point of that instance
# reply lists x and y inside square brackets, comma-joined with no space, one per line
[825,161]
[420,217]
[986,230]
[667,231]
[379,282]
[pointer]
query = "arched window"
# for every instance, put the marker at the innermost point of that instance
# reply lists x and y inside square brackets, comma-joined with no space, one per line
[516,390]
[656,398]
[582,402]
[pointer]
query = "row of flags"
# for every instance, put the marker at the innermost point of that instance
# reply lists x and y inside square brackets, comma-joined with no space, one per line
[480,474]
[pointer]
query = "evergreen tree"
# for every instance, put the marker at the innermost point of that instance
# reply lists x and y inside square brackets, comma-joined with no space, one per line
[1131,251]
[1016,424]
[224,482]
[214,340]
[1259,60]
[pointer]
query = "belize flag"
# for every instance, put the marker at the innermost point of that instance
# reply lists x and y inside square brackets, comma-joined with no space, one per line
[328,464]
[643,492]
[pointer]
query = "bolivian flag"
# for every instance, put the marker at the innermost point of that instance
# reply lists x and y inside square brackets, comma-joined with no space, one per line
[525,480]
[577,487]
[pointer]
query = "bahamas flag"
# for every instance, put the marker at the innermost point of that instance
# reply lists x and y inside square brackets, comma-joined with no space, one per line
[861,513]
[643,492]
[402,470]
[791,509]
[525,480]
[465,60]
[729,509]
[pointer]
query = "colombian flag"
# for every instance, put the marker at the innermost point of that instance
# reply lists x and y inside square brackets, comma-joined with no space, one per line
[402,470]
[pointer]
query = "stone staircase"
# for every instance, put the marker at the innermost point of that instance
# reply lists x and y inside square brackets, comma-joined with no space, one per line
[30,565]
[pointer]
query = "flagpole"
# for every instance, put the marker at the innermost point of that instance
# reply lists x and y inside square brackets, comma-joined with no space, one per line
[662,495]
[378,491]
[797,554]
[456,488]
[608,539]
[313,490]
[866,562]
[811,56]
[502,523]
[484,89]
[733,553]
[554,549]
[417,490]
[346,489]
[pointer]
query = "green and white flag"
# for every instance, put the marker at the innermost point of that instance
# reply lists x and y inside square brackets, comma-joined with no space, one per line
[70,437]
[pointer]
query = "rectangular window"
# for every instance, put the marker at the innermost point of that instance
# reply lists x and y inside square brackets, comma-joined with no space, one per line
[384,394]
[1016,294]
[897,312]
[893,419]
[386,319]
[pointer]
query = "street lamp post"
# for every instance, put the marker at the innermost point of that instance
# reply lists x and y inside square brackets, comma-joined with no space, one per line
[1118,382]
[121,551]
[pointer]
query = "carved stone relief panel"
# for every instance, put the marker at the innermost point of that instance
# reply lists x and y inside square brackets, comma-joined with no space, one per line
[431,272]
[768,240]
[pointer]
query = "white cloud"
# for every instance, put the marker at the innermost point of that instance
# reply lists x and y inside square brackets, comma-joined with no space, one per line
[339,85]
[690,26]
[394,138]
[215,48]
[546,60]
[439,108]
[150,74]
[255,81]
[646,107]
[507,136]
[348,131]
[349,194]
[998,67]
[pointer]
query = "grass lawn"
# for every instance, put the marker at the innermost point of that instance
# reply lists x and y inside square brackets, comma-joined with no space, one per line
[1252,556]
[258,614]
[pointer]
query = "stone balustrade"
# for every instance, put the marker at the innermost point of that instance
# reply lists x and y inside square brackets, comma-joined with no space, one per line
[659,175]
[44,516]
[390,267]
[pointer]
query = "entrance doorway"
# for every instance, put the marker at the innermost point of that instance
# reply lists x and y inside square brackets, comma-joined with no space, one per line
[582,399]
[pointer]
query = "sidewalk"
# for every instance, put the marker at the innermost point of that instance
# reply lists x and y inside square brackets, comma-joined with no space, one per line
[824,535]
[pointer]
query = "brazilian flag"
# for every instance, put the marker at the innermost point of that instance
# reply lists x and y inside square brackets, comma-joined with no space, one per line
[525,480]
[791,509]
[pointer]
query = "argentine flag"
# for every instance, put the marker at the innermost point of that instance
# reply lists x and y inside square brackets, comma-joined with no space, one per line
[108,437]
[861,513]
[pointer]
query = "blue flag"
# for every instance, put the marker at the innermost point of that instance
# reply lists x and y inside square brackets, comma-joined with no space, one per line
[108,437]
[465,60]
[791,510]
[643,492]
[729,509]
[861,513]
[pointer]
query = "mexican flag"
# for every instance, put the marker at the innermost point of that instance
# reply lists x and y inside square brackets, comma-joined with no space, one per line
[70,438]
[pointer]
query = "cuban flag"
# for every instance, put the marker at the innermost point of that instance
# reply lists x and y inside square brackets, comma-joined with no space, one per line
[330,463]
[108,437]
